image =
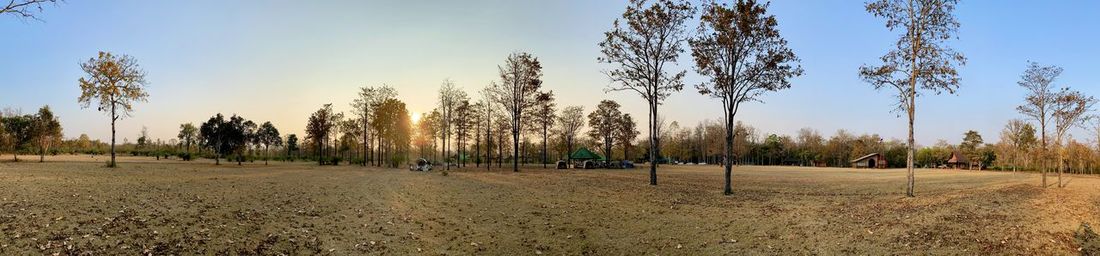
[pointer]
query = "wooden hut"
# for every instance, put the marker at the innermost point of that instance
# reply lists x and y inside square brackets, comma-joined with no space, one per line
[958,161]
[873,161]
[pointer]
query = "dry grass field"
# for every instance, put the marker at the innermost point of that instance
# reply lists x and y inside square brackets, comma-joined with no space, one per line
[72,205]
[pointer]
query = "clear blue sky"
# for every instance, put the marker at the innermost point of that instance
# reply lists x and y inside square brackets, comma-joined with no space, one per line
[281,60]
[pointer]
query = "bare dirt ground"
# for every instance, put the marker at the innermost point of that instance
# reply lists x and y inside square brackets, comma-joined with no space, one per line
[73,205]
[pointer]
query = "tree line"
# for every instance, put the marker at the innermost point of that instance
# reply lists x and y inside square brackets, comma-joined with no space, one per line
[736,47]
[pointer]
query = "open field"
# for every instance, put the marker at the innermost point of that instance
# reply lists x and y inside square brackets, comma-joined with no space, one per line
[72,205]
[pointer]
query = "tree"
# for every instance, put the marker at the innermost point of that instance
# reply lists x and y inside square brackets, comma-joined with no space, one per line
[187,135]
[369,98]
[970,146]
[116,82]
[545,116]
[1020,135]
[461,121]
[922,60]
[626,134]
[426,133]
[449,99]
[571,120]
[605,123]
[335,119]
[268,136]
[291,144]
[1039,82]
[521,78]
[25,8]
[810,145]
[4,141]
[1044,103]
[218,135]
[45,130]
[487,96]
[651,39]
[1070,109]
[392,123]
[743,55]
[19,132]
[143,137]
[318,129]
[241,133]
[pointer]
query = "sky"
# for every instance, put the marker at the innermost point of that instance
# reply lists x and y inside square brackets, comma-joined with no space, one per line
[281,60]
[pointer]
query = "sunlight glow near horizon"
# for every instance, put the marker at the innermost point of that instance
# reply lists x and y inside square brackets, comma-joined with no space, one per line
[280,61]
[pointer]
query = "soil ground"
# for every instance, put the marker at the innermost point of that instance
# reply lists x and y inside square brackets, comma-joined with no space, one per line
[73,205]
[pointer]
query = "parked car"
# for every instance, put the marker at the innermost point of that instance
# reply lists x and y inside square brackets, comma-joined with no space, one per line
[587,164]
[422,165]
[626,164]
[563,165]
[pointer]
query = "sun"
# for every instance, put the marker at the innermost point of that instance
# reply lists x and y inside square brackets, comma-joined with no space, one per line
[416,117]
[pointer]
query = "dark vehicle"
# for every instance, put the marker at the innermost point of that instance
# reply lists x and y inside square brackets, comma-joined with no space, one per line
[625,164]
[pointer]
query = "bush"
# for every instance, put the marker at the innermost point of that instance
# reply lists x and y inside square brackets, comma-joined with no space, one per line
[186,156]
[1088,240]
[330,160]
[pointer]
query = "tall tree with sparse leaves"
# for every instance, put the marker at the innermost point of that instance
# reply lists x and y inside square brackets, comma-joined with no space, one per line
[570,122]
[641,46]
[520,80]
[116,83]
[922,60]
[740,51]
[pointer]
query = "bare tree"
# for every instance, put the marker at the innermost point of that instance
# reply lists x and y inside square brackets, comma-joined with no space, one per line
[449,99]
[116,83]
[1039,82]
[521,78]
[487,96]
[922,60]
[1020,135]
[1070,109]
[739,48]
[649,39]
[570,121]
[25,8]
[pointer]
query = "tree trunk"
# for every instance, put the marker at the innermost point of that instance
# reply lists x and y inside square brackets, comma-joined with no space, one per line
[515,146]
[728,160]
[544,128]
[910,150]
[114,116]
[653,144]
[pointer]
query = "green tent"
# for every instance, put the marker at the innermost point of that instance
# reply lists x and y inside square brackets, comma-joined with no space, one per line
[585,154]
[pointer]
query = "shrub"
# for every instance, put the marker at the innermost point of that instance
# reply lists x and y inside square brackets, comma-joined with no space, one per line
[1088,240]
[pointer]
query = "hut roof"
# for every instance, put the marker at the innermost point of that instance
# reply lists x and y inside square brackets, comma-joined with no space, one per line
[584,154]
[864,157]
[957,158]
